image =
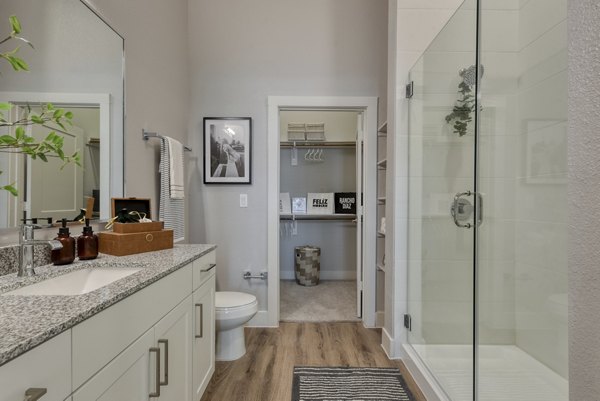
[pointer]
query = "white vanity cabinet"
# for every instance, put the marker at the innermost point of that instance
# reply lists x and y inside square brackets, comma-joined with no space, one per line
[203,349]
[126,378]
[173,337]
[157,365]
[204,336]
[47,366]
[158,343]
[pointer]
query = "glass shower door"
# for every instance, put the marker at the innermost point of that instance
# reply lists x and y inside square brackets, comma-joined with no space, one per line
[441,260]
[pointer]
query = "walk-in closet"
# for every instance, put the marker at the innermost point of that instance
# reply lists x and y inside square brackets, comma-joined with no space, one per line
[318,200]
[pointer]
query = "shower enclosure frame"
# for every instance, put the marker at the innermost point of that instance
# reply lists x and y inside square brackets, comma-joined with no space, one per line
[426,377]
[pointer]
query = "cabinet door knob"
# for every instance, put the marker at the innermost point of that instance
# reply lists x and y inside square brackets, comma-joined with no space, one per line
[33,394]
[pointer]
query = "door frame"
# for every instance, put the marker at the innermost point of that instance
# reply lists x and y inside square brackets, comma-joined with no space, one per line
[369,105]
[114,174]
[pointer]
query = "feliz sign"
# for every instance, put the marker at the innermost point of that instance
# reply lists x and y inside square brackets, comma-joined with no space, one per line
[320,203]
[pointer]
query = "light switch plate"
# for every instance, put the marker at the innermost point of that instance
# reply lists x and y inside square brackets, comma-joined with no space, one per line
[243,200]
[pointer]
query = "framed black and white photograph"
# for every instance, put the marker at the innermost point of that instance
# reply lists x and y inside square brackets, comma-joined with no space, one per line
[227,150]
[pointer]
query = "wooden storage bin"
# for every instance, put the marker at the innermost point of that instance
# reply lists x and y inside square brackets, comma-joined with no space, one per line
[128,228]
[140,205]
[122,244]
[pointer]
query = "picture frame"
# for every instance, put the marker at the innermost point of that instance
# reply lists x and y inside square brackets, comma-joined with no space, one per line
[227,150]
[299,205]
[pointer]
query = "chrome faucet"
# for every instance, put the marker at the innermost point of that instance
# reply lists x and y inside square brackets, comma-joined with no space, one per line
[26,243]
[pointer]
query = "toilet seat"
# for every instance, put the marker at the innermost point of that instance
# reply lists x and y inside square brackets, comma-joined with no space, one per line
[230,301]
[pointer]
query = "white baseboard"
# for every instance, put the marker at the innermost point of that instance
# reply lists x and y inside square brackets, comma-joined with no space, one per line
[387,343]
[426,382]
[261,319]
[324,275]
[379,319]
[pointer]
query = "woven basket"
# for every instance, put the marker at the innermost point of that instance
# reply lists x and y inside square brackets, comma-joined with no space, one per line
[307,265]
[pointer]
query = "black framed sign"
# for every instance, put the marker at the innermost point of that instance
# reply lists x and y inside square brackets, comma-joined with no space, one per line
[227,150]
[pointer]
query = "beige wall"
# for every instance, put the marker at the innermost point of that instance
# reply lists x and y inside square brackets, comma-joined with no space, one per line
[242,52]
[156,83]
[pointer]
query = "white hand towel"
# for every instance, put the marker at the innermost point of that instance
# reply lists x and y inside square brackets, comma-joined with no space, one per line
[176,178]
[171,211]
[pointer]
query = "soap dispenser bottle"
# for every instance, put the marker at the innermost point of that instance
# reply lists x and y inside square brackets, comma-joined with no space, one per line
[66,254]
[87,243]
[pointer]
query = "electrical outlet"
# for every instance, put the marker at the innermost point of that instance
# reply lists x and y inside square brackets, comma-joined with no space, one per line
[243,200]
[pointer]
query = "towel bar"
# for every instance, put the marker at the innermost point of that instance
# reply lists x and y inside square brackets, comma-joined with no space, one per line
[146,135]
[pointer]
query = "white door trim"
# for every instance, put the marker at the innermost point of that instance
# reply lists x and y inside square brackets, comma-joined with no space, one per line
[114,172]
[274,104]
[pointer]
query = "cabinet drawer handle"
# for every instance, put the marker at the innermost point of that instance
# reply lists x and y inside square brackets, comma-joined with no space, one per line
[156,392]
[201,321]
[166,343]
[212,265]
[34,394]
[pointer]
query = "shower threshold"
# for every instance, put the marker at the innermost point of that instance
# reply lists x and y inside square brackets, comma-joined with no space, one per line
[506,373]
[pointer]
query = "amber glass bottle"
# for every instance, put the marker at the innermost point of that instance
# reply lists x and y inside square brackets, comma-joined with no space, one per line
[66,254]
[87,243]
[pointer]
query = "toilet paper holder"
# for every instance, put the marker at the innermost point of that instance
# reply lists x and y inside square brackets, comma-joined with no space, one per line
[263,275]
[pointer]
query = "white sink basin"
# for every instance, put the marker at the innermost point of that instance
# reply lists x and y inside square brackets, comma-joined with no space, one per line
[75,283]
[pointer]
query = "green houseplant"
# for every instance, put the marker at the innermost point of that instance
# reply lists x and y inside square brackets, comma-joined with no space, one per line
[13,138]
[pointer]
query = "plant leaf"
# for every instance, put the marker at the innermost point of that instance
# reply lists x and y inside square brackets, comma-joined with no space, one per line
[5,106]
[7,139]
[20,133]
[13,191]
[15,24]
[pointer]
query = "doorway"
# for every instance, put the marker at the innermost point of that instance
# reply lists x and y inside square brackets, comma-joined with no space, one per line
[362,225]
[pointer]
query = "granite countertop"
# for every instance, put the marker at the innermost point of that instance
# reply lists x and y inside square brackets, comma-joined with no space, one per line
[29,320]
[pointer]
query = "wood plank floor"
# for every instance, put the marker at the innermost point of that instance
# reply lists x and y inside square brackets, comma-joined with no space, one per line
[265,372]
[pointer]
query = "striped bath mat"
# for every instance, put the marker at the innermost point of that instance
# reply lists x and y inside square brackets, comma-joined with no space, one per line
[349,384]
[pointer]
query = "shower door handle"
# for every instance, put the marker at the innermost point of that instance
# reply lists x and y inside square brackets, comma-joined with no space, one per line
[461,209]
[479,209]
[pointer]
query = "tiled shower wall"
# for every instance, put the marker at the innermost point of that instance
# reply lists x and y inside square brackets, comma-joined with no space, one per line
[541,184]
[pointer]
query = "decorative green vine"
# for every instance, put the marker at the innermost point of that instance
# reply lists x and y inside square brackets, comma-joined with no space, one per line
[462,113]
[51,146]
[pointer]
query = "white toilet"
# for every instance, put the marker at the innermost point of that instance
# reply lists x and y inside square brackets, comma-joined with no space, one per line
[233,310]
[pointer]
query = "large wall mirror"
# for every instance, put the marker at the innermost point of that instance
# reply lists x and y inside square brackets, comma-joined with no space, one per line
[77,64]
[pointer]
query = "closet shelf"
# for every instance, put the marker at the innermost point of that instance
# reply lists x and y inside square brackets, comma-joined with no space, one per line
[315,144]
[382,164]
[325,217]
